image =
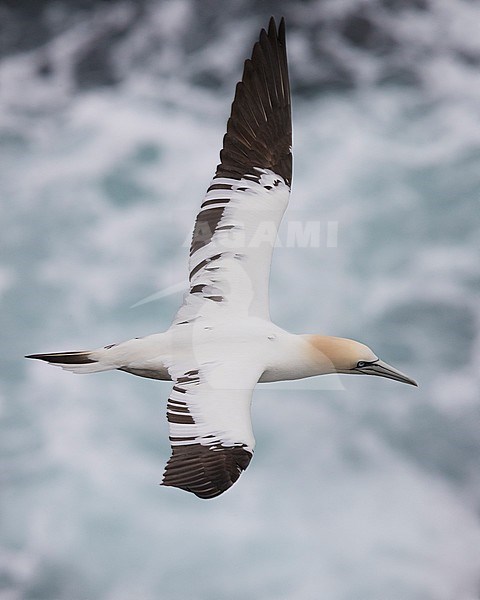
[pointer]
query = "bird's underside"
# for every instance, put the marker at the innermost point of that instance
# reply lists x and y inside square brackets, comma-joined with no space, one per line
[222,342]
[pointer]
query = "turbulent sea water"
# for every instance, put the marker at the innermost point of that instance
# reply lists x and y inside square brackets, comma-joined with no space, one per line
[111,120]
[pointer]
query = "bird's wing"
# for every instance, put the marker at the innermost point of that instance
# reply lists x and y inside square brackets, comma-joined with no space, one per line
[208,412]
[235,230]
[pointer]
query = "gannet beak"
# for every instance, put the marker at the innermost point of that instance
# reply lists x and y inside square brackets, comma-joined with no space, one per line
[382,369]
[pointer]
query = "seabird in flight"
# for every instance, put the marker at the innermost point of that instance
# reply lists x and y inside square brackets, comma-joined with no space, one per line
[222,341]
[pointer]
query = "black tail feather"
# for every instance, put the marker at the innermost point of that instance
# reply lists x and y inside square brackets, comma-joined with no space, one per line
[65,358]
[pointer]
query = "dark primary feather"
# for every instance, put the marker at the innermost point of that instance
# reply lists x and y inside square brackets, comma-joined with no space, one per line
[206,471]
[259,130]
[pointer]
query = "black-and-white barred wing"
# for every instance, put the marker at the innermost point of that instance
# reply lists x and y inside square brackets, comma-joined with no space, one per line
[235,230]
[208,412]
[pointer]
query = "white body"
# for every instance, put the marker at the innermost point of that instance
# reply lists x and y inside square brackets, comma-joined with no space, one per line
[278,354]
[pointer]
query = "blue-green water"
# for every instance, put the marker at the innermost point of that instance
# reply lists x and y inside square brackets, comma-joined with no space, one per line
[368,492]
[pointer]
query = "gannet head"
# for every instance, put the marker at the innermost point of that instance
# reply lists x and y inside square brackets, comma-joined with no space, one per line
[353,358]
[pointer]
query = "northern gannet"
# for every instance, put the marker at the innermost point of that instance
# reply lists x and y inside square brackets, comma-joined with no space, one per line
[222,341]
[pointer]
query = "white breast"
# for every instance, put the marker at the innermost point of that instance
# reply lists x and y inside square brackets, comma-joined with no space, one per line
[290,357]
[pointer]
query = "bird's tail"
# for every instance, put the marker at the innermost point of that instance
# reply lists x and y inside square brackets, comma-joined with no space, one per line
[76,362]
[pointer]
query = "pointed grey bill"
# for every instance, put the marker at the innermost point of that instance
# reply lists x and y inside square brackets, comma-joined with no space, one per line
[382,369]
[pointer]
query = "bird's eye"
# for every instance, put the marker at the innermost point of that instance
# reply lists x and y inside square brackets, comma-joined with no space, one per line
[361,363]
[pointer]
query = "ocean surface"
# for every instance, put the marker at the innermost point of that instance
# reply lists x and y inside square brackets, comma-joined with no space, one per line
[111,120]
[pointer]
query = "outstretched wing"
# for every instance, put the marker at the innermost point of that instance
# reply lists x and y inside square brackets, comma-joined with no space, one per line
[235,230]
[208,412]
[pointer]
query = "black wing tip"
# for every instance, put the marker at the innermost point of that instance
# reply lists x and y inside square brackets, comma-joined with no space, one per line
[273,33]
[272,27]
[277,33]
[201,495]
[259,130]
[205,471]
